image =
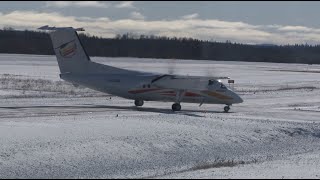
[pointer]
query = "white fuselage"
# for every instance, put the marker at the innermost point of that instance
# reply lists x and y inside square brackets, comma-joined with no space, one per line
[157,87]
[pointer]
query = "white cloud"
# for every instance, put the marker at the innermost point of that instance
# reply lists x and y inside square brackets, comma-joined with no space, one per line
[59,4]
[62,4]
[136,15]
[294,28]
[205,29]
[125,4]
[190,16]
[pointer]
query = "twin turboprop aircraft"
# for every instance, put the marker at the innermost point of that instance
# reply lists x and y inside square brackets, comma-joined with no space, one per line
[76,67]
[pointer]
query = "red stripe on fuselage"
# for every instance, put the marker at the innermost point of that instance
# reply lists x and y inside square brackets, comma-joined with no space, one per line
[187,94]
[138,91]
[167,94]
[191,94]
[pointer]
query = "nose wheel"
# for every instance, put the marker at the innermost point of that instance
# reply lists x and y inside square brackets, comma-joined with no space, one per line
[138,102]
[176,107]
[226,109]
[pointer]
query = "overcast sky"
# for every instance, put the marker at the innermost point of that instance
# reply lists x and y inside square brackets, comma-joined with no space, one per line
[246,22]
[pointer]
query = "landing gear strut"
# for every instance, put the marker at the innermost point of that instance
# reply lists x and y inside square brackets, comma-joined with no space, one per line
[226,108]
[176,107]
[179,95]
[138,102]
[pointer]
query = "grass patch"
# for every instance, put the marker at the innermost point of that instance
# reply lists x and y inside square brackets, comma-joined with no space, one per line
[219,163]
[216,164]
[43,86]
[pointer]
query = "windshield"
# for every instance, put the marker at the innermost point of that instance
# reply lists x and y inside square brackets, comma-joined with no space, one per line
[211,82]
[222,86]
[217,84]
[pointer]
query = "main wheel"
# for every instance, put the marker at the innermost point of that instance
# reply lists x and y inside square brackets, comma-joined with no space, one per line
[226,109]
[138,102]
[176,107]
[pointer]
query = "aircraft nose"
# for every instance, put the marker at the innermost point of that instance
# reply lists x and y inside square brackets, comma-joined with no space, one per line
[238,99]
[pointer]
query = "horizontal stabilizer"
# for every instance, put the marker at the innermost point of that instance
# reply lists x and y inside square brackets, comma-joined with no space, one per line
[46,27]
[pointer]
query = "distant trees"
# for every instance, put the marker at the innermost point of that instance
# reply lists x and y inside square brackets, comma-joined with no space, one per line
[24,42]
[150,46]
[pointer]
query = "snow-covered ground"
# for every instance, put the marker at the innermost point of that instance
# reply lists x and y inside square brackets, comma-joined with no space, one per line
[50,129]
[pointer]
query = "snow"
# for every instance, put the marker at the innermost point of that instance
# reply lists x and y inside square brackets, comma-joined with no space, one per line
[300,166]
[51,129]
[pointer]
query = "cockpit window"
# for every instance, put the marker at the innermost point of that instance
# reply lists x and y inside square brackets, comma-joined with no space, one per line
[210,82]
[216,84]
[222,86]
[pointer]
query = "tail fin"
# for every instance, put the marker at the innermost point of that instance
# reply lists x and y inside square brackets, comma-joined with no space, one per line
[69,51]
[72,57]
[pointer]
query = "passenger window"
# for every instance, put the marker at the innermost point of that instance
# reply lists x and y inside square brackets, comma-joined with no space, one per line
[144,86]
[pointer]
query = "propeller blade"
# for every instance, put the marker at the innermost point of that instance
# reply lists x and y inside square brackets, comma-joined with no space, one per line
[172,66]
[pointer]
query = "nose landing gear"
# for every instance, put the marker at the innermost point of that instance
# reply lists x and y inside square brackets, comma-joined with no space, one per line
[138,102]
[179,96]
[226,109]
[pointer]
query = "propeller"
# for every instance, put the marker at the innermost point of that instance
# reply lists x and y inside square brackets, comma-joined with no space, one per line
[208,70]
[172,66]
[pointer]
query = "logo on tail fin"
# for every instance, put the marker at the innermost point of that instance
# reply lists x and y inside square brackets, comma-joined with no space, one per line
[68,49]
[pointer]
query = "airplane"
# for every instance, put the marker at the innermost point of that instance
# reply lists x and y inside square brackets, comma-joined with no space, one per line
[77,68]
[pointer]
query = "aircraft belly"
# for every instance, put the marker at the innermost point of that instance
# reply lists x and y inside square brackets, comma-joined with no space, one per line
[160,96]
[188,99]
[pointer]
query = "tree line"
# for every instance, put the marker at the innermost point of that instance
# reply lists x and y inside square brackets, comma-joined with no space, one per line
[143,46]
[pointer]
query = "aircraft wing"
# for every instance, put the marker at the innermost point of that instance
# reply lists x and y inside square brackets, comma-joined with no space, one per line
[46,27]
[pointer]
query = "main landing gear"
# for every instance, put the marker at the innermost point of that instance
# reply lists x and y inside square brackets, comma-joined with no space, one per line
[138,102]
[226,109]
[179,96]
[176,107]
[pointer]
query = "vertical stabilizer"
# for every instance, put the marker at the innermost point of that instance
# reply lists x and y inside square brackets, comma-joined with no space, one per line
[69,51]
[72,57]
